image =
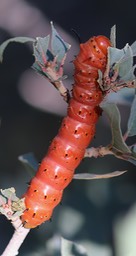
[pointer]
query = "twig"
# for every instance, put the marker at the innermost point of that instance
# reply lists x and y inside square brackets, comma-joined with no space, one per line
[98,152]
[12,207]
[64,92]
[108,150]
[17,238]
[56,78]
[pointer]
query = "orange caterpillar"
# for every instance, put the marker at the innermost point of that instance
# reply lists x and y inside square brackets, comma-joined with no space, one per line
[76,132]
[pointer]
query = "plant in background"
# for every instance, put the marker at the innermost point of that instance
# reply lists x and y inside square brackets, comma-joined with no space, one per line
[100,68]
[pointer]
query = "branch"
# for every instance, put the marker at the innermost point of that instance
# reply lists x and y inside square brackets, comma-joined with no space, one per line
[56,78]
[50,53]
[111,150]
[17,238]
[12,207]
[98,152]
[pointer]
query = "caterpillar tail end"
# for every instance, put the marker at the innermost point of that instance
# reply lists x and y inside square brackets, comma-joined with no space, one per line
[31,219]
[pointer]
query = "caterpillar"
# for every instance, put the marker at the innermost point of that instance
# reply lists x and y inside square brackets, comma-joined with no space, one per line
[76,132]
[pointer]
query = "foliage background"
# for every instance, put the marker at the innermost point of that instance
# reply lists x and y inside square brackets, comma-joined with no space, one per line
[31,113]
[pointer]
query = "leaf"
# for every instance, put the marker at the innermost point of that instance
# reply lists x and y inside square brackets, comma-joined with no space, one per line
[50,53]
[114,117]
[133,47]
[10,205]
[132,120]
[132,161]
[126,64]
[93,176]
[113,36]
[133,150]
[18,206]
[69,248]
[2,200]
[40,48]
[10,194]
[115,55]
[133,154]
[58,46]
[122,62]
[15,39]
[30,163]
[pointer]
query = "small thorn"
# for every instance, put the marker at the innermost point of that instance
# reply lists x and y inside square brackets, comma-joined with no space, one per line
[28,183]
[24,222]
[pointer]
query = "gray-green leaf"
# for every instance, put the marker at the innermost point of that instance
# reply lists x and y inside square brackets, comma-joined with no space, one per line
[93,176]
[132,119]
[114,116]
[9,193]
[58,45]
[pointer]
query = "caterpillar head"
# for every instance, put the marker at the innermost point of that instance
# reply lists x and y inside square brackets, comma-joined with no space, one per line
[103,43]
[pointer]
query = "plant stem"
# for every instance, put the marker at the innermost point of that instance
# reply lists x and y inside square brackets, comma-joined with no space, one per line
[98,152]
[17,239]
